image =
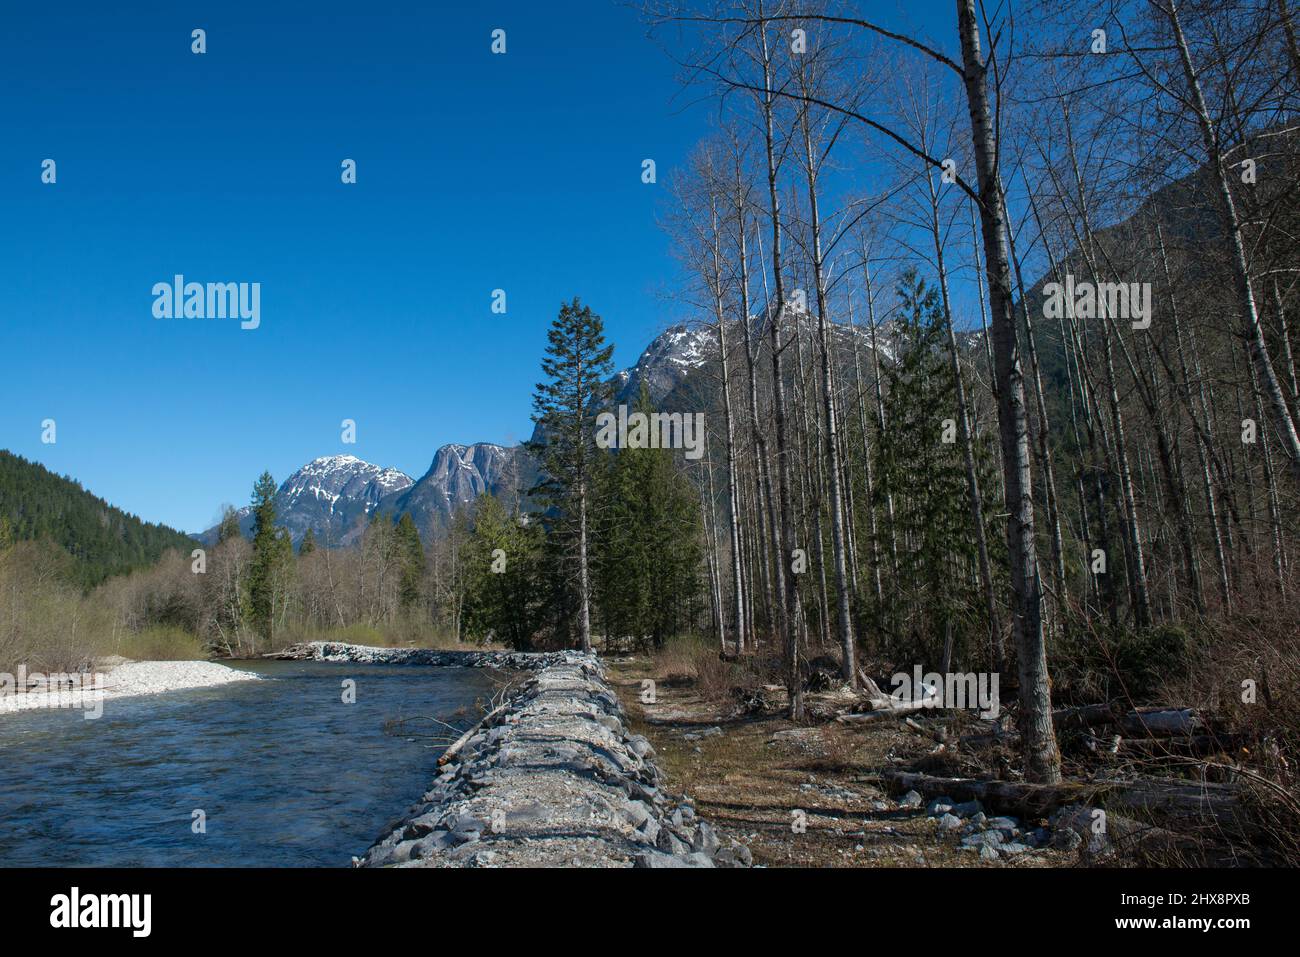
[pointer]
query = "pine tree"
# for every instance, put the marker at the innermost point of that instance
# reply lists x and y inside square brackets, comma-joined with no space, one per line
[577,366]
[229,527]
[412,559]
[272,560]
[308,543]
[935,595]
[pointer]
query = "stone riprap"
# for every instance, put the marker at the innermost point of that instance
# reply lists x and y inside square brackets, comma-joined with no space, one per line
[551,778]
[367,655]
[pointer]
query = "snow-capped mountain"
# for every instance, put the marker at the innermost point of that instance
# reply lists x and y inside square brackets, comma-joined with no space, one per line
[329,495]
[667,362]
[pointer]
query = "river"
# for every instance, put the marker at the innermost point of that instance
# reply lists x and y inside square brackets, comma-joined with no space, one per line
[284,772]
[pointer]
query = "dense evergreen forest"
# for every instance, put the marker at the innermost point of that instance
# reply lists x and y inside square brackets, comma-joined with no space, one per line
[37,505]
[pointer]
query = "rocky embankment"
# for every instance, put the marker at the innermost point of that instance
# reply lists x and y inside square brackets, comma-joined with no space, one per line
[367,655]
[551,778]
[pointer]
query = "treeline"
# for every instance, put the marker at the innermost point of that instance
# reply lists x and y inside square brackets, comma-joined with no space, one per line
[501,573]
[1094,496]
[36,504]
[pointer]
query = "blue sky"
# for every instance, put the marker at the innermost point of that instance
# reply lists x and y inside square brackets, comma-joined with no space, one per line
[475,172]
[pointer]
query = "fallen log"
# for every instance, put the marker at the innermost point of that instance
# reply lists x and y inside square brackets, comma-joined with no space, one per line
[1175,804]
[1086,716]
[1161,722]
[870,688]
[894,708]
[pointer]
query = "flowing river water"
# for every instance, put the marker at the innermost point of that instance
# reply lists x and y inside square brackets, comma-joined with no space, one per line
[284,772]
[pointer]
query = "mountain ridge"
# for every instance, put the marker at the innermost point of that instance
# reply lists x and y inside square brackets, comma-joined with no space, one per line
[327,494]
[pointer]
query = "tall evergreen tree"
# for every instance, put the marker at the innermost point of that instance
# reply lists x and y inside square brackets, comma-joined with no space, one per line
[412,560]
[577,367]
[272,561]
[308,543]
[935,602]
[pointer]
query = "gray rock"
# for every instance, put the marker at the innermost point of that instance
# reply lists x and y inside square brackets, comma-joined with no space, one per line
[706,840]
[734,855]
[668,842]
[1015,847]
[949,823]
[1088,825]
[431,844]
[978,819]
[911,799]
[637,813]
[967,808]
[656,859]
[988,853]
[939,807]
[982,839]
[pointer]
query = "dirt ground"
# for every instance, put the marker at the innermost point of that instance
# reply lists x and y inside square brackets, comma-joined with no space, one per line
[751,777]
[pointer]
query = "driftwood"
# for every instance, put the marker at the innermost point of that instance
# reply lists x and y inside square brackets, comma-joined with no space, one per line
[888,708]
[460,742]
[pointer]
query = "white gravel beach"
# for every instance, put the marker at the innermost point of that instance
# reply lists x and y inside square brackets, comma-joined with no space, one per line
[129,679]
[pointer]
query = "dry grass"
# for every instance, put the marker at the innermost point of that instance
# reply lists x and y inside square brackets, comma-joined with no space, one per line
[696,661]
[160,643]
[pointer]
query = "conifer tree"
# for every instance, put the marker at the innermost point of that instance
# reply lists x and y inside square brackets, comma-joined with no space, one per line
[308,543]
[504,590]
[647,547]
[411,556]
[935,601]
[229,527]
[272,561]
[577,367]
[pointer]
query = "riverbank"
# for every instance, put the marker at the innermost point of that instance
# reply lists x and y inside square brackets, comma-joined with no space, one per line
[123,680]
[550,778]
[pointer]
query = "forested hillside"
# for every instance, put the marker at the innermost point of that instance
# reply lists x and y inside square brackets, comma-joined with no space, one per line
[36,504]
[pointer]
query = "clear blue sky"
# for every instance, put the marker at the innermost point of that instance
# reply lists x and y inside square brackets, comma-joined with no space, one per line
[475,172]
